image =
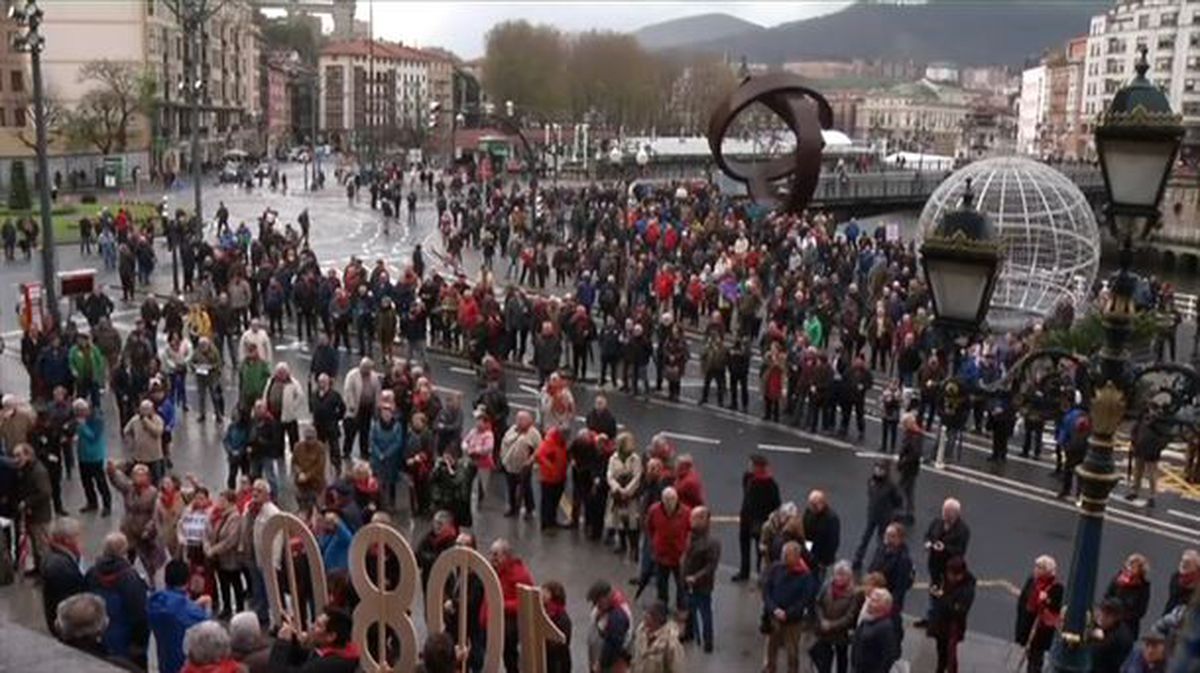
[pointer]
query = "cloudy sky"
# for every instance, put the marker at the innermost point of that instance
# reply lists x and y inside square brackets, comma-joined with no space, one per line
[460,26]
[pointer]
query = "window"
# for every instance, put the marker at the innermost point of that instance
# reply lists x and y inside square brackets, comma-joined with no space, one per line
[1167,42]
[19,117]
[1189,85]
[1168,19]
[1191,109]
[1144,21]
[18,81]
[3,117]
[1163,63]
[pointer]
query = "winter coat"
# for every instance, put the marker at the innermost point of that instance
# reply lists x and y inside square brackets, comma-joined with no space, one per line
[138,522]
[954,539]
[224,541]
[883,500]
[948,612]
[1046,622]
[512,574]
[624,476]
[517,448]
[124,595]
[260,339]
[290,657]
[668,533]
[791,589]
[171,614]
[874,647]
[760,497]
[61,579]
[144,437]
[658,652]
[387,449]
[824,531]
[308,456]
[293,407]
[700,561]
[1134,598]
[551,458]
[354,387]
[1111,651]
[836,615]
[897,567]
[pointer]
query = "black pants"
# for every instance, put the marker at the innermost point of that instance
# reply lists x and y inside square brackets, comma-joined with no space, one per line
[1033,439]
[520,491]
[888,442]
[359,426]
[56,473]
[748,534]
[709,377]
[856,407]
[824,653]
[233,593]
[661,575]
[94,481]
[551,494]
[579,358]
[739,382]
[771,406]
[607,366]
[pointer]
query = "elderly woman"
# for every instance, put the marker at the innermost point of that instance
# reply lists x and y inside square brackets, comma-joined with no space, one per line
[1039,611]
[81,621]
[138,523]
[624,478]
[207,648]
[308,468]
[248,644]
[837,608]
[1131,587]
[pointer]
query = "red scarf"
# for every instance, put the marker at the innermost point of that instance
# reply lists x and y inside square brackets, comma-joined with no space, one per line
[1041,586]
[760,473]
[1188,580]
[216,517]
[1126,579]
[842,591]
[350,651]
[555,608]
[799,567]
[168,496]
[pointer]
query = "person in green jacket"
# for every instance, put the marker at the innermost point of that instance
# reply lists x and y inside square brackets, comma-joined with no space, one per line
[252,377]
[815,330]
[88,368]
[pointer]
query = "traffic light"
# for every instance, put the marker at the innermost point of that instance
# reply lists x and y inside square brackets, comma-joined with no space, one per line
[435,108]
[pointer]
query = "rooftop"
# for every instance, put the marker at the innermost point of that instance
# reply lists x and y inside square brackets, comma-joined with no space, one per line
[379,49]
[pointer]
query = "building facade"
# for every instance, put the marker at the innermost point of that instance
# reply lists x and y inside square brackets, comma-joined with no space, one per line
[149,37]
[915,117]
[372,92]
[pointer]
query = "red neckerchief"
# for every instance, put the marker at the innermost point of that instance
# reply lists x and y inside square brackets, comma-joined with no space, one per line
[1189,580]
[69,547]
[167,497]
[253,508]
[555,608]
[446,538]
[217,516]
[840,591]
[1126,579]
[799,567]
[350,651]
[760,473]
[1041,586]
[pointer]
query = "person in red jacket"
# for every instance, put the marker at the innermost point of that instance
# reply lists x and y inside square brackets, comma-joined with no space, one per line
[512,572]
[687,482]
[551,457]
[668,525]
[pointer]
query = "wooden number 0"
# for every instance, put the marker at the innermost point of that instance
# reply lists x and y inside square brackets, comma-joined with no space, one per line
[383,608]
[464,561]
[268,551]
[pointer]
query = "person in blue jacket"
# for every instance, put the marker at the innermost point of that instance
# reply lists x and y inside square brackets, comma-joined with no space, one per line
[92,450]
[789,592]
[172,613]
[114,580]
[334,538]
[387,451]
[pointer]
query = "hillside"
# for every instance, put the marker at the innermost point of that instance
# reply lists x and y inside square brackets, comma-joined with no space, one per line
[967,33]
[693,30]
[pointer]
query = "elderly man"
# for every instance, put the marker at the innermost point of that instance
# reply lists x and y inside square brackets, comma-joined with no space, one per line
[360,393]
[308,468]
[946,538]
[328,410]
[517,451]
[253,375]
[789,591]
[248,644]
[760,497]
[80,622]
[17,418]
[207,648]
[285,399]
[257,337]
[893,562]
[61,576]
[823,529]
[144,436]
[111,577]
[512,573]
[258,512]
[206,363]
[36,494]
[875,647]
[699,571]
[668,525]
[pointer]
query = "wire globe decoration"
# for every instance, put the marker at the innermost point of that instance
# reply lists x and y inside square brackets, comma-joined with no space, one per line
[1047,227]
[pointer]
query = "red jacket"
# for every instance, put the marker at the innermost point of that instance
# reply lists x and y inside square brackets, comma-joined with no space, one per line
[668,533]
[689,486]
[551,458]
[512,574]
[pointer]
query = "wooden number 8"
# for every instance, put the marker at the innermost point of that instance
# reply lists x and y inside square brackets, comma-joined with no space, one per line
[380,607]
[268,552]
[464,561]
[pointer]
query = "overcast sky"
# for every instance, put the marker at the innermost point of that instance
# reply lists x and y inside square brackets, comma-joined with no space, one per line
[460,26]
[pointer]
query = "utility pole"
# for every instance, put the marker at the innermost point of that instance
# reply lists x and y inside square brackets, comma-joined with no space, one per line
[30,17]
[192,16]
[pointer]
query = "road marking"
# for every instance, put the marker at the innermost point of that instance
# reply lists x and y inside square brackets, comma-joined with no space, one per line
[874,454]
[527,381]
[725,518]
[445,389]
[690,438]
[785,449]
[523,407]
[530,389]
[1183,515]
[463,370]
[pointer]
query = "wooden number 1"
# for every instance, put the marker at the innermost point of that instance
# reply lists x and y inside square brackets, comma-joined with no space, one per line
[535,629]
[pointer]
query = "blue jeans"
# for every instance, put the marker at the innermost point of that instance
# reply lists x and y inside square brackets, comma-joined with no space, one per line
[700,610]
[267,468]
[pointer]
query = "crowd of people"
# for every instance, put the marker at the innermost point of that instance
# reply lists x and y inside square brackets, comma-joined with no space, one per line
[825,311]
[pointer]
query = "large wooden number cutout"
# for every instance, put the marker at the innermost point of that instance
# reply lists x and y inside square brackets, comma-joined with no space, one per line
[379,607]
[268,552]
[535,629]
[464,561]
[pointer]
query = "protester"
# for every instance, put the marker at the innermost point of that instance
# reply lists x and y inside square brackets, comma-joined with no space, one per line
[1039,612]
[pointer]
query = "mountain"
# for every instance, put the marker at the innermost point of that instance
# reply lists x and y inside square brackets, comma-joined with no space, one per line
[966,33]
[693,30]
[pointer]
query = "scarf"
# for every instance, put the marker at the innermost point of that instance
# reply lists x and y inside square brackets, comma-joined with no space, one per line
[349,651]
[168,497]
[1126,579]
[1041,586]
[760,473]
[840,591]
[554,609]
[216,517]
[799,567]
[1189,580]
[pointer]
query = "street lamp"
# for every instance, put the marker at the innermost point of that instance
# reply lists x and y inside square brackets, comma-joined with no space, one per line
[31,40]
[1137,140]
[961,258]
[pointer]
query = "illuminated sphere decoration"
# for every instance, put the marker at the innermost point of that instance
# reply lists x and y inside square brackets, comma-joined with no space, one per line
[1048,230]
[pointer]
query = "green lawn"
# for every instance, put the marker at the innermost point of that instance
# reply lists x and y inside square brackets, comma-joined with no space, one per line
[66,216]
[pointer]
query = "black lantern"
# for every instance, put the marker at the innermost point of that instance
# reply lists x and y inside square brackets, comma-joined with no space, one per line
[961,258]
[1138,139]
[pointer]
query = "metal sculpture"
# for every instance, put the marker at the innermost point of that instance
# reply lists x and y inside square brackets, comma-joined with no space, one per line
[804,111]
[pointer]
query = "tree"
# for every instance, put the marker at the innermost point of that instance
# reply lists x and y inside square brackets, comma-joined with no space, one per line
[18,188]
[613,76]
[104,116]
[524,63]
[57,122]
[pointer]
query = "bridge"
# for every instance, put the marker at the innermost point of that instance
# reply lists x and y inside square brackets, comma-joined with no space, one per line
[341,11]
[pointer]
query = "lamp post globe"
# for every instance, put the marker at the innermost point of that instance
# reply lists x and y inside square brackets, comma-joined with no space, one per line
[961,259]
[642,157]
[1137,140]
